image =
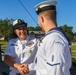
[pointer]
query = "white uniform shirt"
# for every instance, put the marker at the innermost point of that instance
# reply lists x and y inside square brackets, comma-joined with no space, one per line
[53,56]
[21,52]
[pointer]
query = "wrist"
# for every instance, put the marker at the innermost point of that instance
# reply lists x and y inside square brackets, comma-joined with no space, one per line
[16,65]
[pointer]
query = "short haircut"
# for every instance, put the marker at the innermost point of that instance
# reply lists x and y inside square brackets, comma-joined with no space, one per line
[49,14]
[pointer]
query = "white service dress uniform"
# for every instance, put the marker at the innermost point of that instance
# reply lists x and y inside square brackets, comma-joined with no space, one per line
[22,52]
[53,55]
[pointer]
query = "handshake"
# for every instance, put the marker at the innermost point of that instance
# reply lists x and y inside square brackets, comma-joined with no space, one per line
[23,69]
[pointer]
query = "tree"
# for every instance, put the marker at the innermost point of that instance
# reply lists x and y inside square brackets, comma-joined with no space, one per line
[74,39]
[37,28]
[31,28]
[5,28]
[68,31]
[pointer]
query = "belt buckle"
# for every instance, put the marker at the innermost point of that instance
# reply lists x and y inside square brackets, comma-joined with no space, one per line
[18,74]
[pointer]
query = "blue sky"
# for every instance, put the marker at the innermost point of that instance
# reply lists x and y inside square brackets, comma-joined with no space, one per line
[66,11]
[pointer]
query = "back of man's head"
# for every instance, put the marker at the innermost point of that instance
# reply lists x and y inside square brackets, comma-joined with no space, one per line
[47,9]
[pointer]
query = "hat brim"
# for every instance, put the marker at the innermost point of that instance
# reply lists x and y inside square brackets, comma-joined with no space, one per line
[19,25]
[46,5]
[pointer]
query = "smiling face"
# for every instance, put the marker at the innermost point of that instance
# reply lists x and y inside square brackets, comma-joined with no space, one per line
[21,32]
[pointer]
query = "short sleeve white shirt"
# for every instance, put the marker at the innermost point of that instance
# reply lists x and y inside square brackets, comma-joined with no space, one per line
[21,52]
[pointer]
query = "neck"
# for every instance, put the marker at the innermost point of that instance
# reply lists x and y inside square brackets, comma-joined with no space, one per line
[49,25]
[22,39]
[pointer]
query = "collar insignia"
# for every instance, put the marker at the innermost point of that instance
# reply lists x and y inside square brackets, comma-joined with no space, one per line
[29,43]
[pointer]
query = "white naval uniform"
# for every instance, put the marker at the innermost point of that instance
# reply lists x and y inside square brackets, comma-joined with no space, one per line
[21,53]
[53,55]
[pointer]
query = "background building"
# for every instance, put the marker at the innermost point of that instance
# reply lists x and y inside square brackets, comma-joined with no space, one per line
[37,34]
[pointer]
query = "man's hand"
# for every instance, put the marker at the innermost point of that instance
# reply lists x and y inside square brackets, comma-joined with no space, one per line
[23,68]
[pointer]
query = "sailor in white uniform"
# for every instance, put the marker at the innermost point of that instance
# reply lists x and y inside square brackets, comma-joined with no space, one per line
[53,56]
[21,49]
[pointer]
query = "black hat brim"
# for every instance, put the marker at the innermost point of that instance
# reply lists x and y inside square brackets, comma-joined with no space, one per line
[20,25]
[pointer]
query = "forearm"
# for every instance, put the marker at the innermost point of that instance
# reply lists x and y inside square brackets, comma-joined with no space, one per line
[10,62]
[20,67]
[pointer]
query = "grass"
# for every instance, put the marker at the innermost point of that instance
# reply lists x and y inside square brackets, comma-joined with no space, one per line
[3,42]
[73,47]
[3,45]
[73,53]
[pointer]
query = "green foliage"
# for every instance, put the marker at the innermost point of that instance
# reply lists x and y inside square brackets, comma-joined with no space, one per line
[5,28]
[68,31]
[74,63]
[74,39]
[37,28]
[31,28]
[34,28]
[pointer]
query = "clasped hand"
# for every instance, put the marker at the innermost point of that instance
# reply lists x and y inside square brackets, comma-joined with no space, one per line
[23,69]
